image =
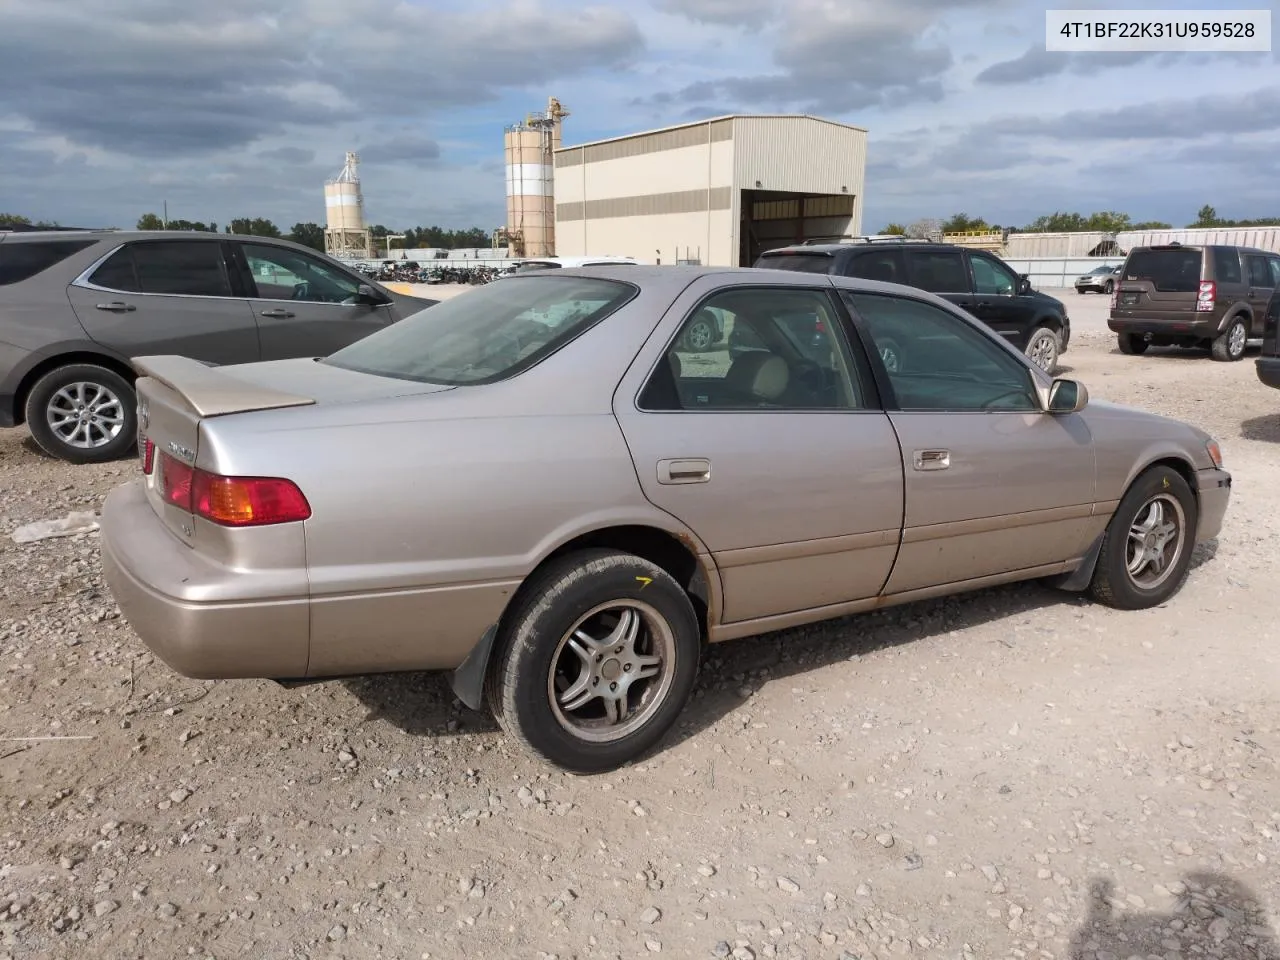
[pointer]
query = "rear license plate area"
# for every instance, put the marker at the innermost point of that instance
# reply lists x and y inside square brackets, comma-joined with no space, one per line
[1129,299]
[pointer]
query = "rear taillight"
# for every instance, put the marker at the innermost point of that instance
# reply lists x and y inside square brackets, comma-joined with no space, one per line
[148,455]
[819,326]
[232,501]
[1208,294]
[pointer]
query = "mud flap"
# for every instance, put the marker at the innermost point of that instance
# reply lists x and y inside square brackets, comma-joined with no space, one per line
[467,680]
[1078,579]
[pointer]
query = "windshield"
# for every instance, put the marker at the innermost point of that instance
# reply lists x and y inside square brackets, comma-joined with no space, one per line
[1102,270]
[487,334]
[1169,271]
[801,262]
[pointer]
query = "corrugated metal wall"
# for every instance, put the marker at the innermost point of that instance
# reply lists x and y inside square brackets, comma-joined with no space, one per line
[1053,244]
[800,154]
[1264,238]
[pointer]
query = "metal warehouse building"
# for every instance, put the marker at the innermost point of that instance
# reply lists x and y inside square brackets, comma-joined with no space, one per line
[718,191]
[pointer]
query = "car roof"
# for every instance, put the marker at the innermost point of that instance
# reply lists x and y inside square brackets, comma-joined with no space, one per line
[125,236]
[829,249]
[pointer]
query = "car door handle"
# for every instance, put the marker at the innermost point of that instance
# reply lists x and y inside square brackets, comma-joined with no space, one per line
[932,459]
[693,470]
[116,306]
[277,312]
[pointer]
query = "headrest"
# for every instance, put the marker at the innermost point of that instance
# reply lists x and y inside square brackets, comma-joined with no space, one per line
[761,374]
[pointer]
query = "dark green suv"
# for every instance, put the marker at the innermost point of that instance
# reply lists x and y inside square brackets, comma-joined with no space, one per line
[978,282]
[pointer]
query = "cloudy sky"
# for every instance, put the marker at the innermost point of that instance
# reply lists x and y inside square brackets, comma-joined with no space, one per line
[240,108]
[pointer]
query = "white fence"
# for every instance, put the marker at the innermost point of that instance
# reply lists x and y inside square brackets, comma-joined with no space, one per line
[1058,271]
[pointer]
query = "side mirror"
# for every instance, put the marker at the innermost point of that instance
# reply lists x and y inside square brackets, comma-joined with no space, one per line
[1024,283]
[1067,396]
[367,295]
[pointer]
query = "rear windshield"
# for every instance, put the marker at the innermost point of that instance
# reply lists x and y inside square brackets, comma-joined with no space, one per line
[534,265]
[801,262]
[1169,271]
[21,261]
[487,334]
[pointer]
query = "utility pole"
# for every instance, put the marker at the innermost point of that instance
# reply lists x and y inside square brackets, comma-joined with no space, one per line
[166,215]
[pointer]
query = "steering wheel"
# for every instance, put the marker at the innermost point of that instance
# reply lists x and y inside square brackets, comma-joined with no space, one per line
[301,291]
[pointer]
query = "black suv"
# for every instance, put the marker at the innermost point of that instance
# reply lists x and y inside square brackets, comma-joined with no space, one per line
[974,280]
[1269,363]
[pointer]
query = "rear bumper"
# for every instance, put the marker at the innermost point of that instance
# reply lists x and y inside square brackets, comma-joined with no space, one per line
[1214,487]
[152,576]
[1269,371]
[1203,329]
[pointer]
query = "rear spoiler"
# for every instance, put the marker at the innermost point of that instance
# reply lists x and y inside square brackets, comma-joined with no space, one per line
[209,391]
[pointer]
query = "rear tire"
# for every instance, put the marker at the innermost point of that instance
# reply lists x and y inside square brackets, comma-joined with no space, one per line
[1230,345]
[1044,348]
[1132,345]
[1108,287]
[83,413]
[1156,517]
[595,661]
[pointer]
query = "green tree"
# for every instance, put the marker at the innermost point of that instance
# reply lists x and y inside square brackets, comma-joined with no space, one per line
[308,234]
[13,220]
[894,230]
[255,227]
[1108,221]
[963,223]
[150,221]
[195,225]
[1207,217]
[1151,225]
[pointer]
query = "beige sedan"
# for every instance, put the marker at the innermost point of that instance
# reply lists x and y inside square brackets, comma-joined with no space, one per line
[535,487]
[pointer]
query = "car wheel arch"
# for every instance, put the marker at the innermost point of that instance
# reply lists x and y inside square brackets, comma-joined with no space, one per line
[677,551]
[61,359]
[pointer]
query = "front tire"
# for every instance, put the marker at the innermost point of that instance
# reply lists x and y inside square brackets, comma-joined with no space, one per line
[1146,550]
[595,661]
[1131,345]
[700,337]
[1230,344]
[83,413]
[1108,287]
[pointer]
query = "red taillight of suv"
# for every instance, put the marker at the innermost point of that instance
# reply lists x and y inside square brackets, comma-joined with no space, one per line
[1208,294]
[232,501]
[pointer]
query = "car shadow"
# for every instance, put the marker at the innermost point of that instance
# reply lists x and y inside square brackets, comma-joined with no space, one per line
[423,704]
[1213,915]
[1266,429]
[1186,353]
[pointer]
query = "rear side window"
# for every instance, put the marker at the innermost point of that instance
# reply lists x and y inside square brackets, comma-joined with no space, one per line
[1226,265]
[1259,273]
[938,271]
[885,265]
[799,262]
[191,268]
[1274,264]
[1169,271]
[22,261]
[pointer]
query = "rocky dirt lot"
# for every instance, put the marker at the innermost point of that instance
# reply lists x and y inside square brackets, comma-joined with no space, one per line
[1015,773]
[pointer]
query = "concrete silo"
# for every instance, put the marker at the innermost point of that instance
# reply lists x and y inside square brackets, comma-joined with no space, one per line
[345,233]
[531,207]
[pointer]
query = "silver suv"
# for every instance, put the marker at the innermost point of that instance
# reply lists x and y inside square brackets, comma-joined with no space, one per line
[76,306]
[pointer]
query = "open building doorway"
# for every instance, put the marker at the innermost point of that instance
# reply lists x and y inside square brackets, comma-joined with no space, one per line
[777,218]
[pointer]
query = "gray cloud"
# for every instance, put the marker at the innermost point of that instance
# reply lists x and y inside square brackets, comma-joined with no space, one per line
[1037,63]
[729,13]
[294,155]
[402,149]
[150,78]
[838,57]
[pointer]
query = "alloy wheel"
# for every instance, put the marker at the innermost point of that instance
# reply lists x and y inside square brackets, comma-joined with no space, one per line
[1155,542]
[85,415]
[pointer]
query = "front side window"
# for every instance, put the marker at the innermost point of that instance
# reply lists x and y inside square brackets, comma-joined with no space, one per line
[993,278]
[1273,264]
[21,261]
[192,268]
[786,351]
[938,271]
[936,361]
[884,265]
[487,334]
[283,274]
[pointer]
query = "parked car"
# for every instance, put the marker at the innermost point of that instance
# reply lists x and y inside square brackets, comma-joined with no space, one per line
[1099,280]
[76,307]
[979,282]
[559,263]
[527,485]
[1268,363]
[1175,295]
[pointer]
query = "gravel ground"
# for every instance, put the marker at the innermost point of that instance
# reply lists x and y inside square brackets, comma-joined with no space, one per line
[1014,773]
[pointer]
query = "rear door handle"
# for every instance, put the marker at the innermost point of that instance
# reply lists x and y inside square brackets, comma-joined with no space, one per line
[117,306]
[692,470]
[932,459]
[277,312]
